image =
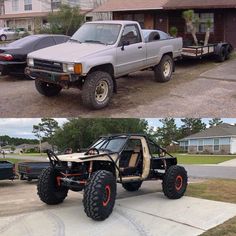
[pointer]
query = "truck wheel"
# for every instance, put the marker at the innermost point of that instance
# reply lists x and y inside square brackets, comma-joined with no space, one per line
[97,90]
[3,37]
[221,56]
[47,89]
[48,190]
[175,182]
[100,195]
[163,71]
[133,186]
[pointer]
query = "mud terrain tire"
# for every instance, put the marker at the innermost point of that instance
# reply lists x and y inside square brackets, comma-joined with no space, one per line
[47,89]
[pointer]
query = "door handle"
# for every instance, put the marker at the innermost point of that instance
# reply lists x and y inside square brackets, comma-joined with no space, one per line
[140,47]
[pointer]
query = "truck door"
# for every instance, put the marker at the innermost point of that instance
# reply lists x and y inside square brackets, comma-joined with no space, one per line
[131,51]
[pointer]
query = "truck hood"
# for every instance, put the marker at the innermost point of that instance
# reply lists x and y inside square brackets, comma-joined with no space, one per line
[78,157]
[68,52]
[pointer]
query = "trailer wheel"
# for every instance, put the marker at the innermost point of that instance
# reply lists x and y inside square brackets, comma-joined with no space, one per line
[47,89]
[221,56]
[133,186]
[48,190]
[175,182]
[228,52]
[163,71]
[97,90]
[100,195]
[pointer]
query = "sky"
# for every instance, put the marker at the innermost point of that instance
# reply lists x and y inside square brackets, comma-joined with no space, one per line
[22,128]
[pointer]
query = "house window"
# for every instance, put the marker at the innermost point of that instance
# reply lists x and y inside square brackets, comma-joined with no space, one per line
[184,146]
[216,144]
[28,5]
[140,19]
[200,145]
[55,4]
[15,5]
[204,18]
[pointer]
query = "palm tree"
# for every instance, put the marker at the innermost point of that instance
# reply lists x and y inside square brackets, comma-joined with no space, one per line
[191,23]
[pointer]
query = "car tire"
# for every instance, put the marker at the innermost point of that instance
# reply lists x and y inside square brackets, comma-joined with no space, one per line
[100,195]
[47,89]
[48,190]
[221,56]
[175,182]
[164,70]
[3,37]
[97,90]
[133,186]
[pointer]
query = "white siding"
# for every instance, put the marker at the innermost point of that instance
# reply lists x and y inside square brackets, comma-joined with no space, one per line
[233,146]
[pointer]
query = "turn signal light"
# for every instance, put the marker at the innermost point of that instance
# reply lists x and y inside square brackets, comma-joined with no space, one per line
[78,69]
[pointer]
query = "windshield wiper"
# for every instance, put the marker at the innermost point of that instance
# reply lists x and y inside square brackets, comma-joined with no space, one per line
[94,41]
[74,40]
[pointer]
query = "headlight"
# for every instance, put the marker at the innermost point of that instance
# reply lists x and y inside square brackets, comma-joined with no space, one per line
[69,164]
[30,62]
[72,68]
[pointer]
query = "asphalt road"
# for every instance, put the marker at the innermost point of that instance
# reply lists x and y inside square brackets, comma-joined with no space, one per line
[196,171]
[213,171]
[188,94]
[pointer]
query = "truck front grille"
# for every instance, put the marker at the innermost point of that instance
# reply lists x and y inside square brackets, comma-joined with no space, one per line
[48,65]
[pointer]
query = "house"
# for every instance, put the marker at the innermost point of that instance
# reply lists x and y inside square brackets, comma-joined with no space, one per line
[220,139]
[24,148]
[164,14]
[32,14]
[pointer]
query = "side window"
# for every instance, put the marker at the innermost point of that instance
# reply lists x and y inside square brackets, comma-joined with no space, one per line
[133,144]
[130,35]
[60,39]
[155,151]
[43,43]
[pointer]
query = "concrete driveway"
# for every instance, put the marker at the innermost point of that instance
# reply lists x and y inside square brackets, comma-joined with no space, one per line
[148,214]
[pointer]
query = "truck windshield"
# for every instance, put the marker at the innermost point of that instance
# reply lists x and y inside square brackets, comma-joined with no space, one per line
[113,145]
[97,33]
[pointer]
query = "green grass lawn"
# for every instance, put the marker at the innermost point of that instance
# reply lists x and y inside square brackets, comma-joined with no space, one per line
[202,159]
[27,154]
[226,193]
[15,161]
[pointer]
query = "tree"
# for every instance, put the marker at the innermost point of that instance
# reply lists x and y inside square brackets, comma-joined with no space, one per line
[192,22]
[66,20]
[81,133]
[191,126]
[215,121]
[46,128]
[168,132]
[208,31]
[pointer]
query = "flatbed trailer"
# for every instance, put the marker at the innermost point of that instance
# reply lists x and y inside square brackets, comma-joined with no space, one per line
[221,51]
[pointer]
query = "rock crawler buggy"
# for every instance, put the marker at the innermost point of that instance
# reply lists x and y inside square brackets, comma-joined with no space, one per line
[128,159]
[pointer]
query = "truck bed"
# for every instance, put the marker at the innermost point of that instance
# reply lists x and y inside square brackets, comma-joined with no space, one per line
[31,170]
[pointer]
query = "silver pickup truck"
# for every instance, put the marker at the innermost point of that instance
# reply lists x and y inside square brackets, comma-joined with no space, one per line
[97,54]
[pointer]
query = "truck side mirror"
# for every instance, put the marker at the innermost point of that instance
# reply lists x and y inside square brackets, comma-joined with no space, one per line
[124,43]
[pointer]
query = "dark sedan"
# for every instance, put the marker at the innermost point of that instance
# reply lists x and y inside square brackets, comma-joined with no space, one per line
[13,55]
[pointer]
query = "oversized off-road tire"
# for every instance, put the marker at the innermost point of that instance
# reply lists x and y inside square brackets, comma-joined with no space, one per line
[175,182]
[221,55]
[163,71]
[100,195]
[133,186]
[97,90]
[47,89]
[48,190]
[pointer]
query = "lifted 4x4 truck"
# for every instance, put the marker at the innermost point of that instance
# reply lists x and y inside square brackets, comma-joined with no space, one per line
[128,159]
[99,53]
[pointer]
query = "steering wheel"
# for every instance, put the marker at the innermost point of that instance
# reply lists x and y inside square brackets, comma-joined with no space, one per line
[92,150]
